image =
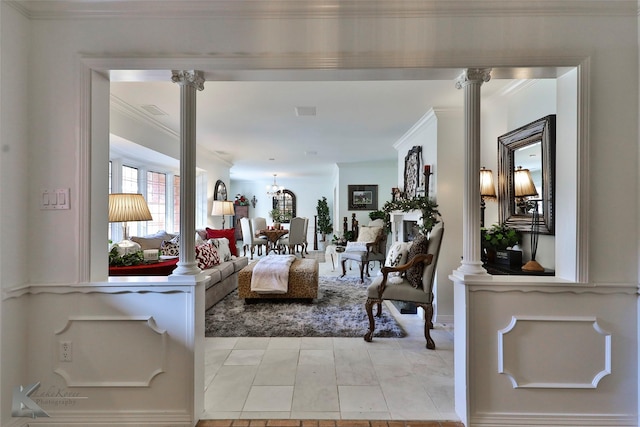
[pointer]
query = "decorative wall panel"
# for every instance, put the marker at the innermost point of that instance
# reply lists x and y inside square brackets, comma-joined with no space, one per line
[554,352]
[110,351]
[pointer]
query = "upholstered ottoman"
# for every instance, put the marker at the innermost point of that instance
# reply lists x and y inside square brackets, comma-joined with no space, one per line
[303,281]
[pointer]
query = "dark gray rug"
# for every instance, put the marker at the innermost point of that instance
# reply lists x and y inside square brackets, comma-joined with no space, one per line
[337,312]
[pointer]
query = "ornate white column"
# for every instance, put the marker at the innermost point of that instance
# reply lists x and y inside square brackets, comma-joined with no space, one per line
[471,81]
[189,81]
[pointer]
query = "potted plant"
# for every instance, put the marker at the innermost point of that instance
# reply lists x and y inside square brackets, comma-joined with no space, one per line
[497,242]
[275,216]
[324,220]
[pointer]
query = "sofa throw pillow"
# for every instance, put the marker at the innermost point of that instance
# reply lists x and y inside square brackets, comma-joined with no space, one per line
[169,248]
[368,234]
[228,233]
[152,241]
[414,274]
[397,255]
[206,256]
[222,248]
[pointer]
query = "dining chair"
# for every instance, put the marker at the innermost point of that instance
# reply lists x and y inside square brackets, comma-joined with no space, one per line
[295,236]
[249,239]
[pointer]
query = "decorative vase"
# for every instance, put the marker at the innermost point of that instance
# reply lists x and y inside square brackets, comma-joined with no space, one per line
[276,225]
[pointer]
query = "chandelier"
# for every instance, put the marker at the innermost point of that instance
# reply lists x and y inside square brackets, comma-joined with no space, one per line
[274,189]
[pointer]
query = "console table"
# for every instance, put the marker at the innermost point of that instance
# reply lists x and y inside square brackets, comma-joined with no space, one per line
[162,268]
[502,269]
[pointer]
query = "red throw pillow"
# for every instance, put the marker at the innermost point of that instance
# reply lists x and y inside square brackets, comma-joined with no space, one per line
[229,233]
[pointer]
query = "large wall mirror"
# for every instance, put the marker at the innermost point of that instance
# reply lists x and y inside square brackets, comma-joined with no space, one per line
[531,147]
[220,191]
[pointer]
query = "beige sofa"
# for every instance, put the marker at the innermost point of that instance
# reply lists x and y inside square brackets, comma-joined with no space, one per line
[224,276]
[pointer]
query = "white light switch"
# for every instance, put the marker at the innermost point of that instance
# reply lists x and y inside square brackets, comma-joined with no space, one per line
[55,199]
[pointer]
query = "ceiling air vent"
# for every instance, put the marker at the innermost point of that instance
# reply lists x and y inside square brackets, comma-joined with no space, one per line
[305,111]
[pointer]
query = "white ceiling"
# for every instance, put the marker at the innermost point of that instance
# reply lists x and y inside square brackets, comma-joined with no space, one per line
[253,124]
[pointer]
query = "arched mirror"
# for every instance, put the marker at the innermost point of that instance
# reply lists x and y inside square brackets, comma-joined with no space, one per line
[285,203]
[531,147]
[220,191]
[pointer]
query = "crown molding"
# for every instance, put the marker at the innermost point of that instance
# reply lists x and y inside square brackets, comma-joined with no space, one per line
[328,9]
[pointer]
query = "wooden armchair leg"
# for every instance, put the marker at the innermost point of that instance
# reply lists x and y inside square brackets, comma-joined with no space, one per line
[362,264]
[368,306]
[344,268]
[428,325]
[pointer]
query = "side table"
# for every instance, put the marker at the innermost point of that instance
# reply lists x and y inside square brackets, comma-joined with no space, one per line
[333,251]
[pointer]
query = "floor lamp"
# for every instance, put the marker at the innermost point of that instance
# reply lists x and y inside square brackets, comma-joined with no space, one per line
[124,207]
[524,188]
[222,208]
[487,190]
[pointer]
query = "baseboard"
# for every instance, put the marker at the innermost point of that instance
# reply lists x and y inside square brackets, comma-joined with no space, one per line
[559,420]
[446,319]
[108,419]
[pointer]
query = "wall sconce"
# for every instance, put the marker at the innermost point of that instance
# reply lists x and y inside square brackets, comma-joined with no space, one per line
[524,187]
[487,190]
[254,201]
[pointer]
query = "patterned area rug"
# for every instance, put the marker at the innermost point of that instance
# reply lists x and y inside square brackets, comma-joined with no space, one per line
[337,312]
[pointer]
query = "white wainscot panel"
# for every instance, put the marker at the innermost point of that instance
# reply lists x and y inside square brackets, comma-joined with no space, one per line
[554,352]
[111,351]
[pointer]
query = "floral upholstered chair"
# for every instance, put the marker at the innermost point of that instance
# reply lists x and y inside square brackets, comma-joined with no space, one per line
[410,282]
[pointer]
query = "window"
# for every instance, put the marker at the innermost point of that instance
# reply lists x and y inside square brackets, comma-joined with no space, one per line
[129,179]
[156,200]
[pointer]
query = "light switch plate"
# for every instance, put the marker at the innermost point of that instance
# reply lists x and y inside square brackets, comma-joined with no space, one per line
[54,199]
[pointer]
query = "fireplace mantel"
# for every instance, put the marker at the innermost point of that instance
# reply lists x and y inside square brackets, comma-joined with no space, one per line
[398,219]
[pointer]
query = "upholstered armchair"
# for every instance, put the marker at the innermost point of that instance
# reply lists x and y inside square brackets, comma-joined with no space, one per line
[370,247]
[411,282]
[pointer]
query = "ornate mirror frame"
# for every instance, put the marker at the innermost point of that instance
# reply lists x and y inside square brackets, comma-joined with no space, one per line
[220,191]
[412,166]
[544,131]
[285,202]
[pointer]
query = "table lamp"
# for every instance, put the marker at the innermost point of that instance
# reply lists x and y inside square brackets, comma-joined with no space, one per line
[124,207]
[222,208]
[487,190]
[523,188]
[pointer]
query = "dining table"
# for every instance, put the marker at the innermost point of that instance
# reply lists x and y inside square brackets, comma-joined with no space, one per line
[272,236]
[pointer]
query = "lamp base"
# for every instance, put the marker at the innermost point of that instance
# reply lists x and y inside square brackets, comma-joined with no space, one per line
[126,247]
[532,265]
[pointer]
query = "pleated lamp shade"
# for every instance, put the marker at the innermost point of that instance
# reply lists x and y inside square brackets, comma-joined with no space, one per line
[487,187]
[523,183]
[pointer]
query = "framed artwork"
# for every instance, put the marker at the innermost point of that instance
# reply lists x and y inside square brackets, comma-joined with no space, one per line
[363,197]
[220,191]
[412,166]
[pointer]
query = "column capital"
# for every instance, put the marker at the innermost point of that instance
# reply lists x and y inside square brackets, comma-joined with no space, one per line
[192,78]
[473,75]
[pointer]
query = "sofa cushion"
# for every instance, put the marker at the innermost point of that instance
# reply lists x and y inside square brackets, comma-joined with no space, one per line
[398,253]
[226,269]
[228,233]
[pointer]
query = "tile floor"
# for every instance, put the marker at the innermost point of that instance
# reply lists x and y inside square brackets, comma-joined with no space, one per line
[332,378]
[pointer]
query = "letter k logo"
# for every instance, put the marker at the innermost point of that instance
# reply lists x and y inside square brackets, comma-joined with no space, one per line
[22,405]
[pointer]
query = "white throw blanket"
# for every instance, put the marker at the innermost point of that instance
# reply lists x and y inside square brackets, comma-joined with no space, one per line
[271,274]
